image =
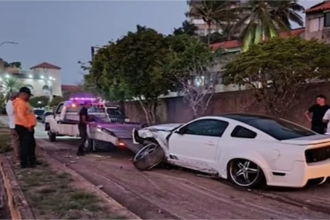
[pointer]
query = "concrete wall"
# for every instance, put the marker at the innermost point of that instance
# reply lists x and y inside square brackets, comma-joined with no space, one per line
[175,110]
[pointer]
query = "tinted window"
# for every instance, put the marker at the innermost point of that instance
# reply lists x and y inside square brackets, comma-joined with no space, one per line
[39,112]
[277,128]
[241,132]
[96,110]
[207,127]
[114,111]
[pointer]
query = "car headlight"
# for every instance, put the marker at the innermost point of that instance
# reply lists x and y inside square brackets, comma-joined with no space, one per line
[127,120]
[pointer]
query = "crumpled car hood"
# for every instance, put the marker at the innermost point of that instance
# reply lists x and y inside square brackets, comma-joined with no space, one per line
[163,127]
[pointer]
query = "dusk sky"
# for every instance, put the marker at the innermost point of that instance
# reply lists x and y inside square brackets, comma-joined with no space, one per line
[62,32]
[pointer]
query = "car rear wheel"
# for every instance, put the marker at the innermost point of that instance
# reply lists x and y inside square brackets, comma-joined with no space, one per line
[245,173]
[148,157]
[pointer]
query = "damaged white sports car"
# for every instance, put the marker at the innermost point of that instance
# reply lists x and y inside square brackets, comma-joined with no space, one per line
[246,149]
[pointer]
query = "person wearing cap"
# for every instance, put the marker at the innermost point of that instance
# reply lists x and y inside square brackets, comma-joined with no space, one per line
[25,121]
[11,118]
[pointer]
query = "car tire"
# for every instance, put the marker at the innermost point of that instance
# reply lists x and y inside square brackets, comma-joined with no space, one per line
[148,157]
[245,173]
[52,136]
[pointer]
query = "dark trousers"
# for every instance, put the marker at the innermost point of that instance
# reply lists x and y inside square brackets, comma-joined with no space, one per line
[83,138]
[33,147]
[318,129]
[25,145]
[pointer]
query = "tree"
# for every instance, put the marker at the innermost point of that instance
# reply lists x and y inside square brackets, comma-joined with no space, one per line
[39,101]
[213,12]
[279,70]
[56,101]
[131,68]
[264,19]
[10,85]
[186,28]
[193,65]
[2,104]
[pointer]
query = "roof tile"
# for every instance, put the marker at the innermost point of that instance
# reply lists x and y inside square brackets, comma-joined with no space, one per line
[236,44]
[319,7]
[46,65]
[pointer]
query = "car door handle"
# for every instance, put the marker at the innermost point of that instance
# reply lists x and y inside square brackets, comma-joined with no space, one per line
[209,143]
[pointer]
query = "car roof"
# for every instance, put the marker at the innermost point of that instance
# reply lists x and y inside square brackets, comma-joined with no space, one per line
[243,117]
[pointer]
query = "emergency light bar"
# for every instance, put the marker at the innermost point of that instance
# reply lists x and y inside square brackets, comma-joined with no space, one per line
[82,99]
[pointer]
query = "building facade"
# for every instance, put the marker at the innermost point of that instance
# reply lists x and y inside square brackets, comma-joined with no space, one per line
[43,79]
[318,22]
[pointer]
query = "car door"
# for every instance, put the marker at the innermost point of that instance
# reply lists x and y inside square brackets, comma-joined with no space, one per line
[196,144]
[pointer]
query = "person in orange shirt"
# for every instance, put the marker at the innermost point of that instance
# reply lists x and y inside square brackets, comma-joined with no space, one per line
[25,121]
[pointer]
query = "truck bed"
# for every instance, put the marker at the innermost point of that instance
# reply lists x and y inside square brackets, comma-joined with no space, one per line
[124,133]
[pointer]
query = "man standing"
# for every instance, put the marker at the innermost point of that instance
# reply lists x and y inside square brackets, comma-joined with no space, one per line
[25,121]
[318,111]
[34,144]
[11,118]
[83,122]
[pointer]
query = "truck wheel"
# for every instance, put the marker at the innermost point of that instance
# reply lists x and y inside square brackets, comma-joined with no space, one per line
[89,145]
[52,136]
[148,157]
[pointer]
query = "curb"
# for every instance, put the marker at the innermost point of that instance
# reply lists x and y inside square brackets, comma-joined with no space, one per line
[116,207]
[17,204]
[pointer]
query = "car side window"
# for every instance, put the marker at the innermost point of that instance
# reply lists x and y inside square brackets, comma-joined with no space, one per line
[241,132]
[59,109]
[207,127]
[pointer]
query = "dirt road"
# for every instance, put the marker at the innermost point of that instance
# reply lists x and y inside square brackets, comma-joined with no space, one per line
[176,194]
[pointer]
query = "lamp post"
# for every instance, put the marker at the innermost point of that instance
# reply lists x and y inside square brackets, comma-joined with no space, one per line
[7,42]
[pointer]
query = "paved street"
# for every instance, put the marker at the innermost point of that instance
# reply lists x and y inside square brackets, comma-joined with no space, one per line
[172,193]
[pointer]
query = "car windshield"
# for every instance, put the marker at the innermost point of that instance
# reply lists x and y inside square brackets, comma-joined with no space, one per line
[114,111]
[277,128]
[39,112]
[96,110]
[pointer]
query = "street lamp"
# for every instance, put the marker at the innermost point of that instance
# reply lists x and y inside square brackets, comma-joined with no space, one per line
[7,42]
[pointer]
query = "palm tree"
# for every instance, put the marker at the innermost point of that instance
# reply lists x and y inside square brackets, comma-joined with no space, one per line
[213,12]
[9,85]
[186,28]
[266,19]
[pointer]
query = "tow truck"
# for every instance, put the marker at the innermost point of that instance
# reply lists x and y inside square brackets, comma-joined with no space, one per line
[108,123]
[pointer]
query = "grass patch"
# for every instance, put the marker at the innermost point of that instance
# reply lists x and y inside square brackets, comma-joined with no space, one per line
[5,139]
[52,195]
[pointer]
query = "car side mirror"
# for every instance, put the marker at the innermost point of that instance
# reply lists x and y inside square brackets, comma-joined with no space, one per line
[181,131]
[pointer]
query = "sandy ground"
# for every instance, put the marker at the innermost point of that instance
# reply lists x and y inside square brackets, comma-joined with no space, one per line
[181,194]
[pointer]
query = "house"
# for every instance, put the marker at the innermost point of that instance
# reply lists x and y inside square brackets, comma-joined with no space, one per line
[43,79]
[318,22]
